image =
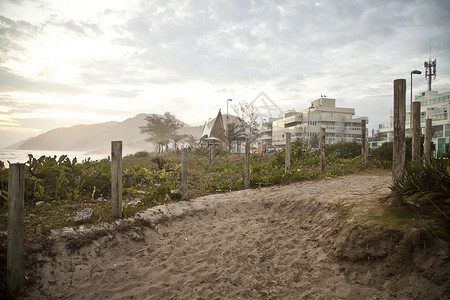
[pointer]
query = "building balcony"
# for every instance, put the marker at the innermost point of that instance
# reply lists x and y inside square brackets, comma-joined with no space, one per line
[293,120]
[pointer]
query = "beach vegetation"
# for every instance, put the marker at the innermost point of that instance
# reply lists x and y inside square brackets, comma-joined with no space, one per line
[58,187]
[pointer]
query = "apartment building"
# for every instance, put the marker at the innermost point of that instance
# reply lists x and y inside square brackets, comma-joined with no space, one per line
[341,124]
[433,106]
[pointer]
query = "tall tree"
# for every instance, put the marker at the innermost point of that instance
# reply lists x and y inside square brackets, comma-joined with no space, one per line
[160,129]
[248,117]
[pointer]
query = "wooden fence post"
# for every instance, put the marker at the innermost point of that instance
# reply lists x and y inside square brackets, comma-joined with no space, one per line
[363,143]
[212,152]
[416,140]
[247,164]
[116,178]
[15,260]
[184,174]
[398,156]
[322,150]
[427,140]
[287,163]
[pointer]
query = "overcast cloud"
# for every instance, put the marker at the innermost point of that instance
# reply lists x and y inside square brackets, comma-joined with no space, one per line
[69,62]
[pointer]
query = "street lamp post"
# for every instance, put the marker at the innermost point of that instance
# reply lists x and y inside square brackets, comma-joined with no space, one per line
[417,72]
[228,100]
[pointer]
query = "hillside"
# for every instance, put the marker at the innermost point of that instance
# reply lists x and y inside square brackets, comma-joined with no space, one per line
[97,137]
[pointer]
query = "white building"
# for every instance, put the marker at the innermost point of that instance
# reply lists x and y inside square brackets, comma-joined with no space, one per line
[341,124]
[433,106]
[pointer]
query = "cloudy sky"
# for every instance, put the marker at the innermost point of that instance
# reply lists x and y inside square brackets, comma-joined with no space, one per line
[81,62]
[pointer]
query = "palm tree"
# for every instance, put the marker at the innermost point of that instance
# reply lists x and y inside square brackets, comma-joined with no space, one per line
[176,138]
[233,132]
[161,129]
[191,140]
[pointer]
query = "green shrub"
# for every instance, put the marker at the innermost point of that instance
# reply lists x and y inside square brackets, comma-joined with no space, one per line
[297,149]
[344,149]
[383,152]
[50,178]
[142,154]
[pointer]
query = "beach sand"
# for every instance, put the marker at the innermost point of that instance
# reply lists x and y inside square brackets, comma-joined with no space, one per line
[278,242]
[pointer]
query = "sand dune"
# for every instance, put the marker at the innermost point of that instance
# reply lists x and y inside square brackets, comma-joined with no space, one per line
[272,243]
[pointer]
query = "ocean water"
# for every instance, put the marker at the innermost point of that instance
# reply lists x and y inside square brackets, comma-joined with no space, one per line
[21,156]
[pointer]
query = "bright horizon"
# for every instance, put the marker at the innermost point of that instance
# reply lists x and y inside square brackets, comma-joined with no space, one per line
[65,63]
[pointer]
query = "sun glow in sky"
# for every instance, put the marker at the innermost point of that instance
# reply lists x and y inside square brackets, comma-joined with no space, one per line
[64,63]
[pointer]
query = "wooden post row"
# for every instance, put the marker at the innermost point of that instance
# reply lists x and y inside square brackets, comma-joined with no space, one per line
[116,179]
[398,156]
[15,260]
[184,174]
[287,163]
[416,131]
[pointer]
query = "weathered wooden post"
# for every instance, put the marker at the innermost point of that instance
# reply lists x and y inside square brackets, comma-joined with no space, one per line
[363,143]
[287,163]
[416,131]
[184,174]
[427,140]
[15,261]
[116,179]
[398,156]
[212,152]
[322,149]
[247,164]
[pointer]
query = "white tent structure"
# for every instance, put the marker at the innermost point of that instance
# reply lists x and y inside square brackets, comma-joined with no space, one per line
[214,134]
[205,132]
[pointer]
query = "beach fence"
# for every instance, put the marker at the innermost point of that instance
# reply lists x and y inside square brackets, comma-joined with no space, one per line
[15,259]
[363,143]
[16,197]
[287,162]
[398,156]
[416,131]
[116,178]
[322,150]
[247,164]
[184,174]
[427,140]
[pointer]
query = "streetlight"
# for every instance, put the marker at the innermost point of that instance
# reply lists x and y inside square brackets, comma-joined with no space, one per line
[228,100]
[417,72]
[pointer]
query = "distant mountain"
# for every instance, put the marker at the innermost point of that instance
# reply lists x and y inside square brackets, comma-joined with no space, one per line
[17,145]
[97,137]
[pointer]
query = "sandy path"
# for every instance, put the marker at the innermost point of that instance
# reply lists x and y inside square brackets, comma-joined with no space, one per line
[248,244]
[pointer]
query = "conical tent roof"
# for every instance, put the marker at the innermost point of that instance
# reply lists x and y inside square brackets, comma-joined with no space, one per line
[218,130]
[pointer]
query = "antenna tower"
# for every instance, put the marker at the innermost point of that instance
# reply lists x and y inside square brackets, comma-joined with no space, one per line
[430,70]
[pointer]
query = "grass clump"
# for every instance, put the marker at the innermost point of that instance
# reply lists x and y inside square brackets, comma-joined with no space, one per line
[426,191]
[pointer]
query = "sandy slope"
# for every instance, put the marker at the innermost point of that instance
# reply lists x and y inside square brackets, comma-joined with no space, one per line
[251,244]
